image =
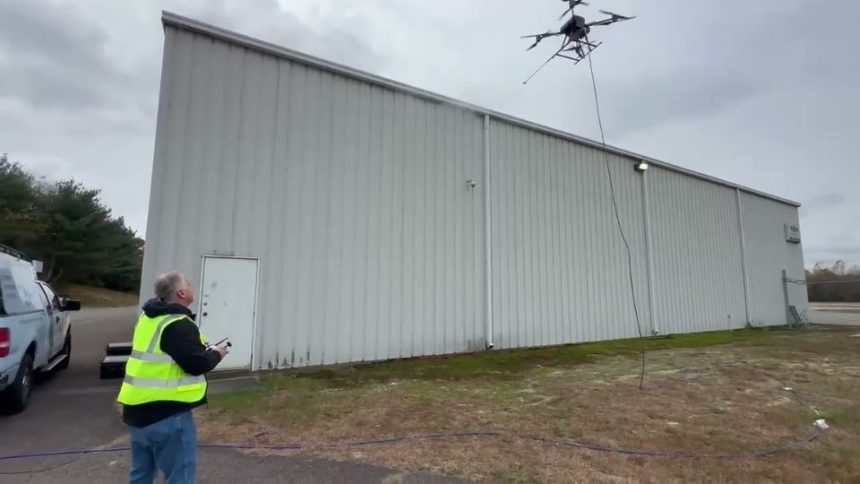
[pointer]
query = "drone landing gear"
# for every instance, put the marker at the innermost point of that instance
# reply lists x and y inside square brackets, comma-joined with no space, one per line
[580,51]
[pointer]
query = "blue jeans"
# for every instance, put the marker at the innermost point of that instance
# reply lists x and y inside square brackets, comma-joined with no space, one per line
[170,446]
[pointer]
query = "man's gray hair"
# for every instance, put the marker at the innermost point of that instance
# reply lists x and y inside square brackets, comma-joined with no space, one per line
[167,284]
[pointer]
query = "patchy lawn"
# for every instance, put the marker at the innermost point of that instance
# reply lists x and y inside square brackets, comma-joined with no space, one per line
[707,393]
[97,297]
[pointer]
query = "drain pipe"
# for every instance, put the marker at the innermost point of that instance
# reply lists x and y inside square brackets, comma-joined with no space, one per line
[646,221]
[488,246]
[743,249]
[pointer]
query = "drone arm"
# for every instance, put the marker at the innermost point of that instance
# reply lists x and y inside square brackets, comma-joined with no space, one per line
[539,37]
[611,20]
[603,22]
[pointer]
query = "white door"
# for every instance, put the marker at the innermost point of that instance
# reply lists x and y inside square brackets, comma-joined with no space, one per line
[228,300]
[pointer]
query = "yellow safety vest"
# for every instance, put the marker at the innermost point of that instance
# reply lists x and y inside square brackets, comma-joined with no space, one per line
[151,375]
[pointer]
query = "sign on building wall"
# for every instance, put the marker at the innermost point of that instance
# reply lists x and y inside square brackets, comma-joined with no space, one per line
[792,233]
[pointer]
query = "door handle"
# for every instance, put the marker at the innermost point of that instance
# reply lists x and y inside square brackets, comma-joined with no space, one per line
[206,314]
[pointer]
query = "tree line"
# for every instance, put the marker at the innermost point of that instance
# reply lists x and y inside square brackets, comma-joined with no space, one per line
[66,226]
[833,283]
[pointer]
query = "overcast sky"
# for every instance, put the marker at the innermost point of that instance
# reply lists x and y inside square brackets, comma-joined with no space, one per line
[761,93]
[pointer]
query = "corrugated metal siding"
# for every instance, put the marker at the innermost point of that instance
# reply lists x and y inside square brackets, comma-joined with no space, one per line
[177,21]
[353,196]
[560,268]
[698,278]
[768,254]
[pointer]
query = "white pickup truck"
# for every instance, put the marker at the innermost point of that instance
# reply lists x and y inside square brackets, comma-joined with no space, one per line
[35,331]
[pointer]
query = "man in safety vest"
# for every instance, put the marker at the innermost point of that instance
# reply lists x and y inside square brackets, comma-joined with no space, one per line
[164,380]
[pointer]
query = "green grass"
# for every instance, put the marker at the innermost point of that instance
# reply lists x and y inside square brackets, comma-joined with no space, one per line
[727,381]
[846,420]
[232,401]
[304,388]
[509,364]
[97,296]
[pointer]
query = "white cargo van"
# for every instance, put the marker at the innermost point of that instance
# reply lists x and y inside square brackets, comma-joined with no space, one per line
[35,331]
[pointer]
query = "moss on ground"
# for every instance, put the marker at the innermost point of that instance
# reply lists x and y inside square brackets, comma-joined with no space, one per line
[497,366]
[505,364]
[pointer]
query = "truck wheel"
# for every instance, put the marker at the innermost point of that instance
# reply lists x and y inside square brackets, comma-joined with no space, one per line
[17,395]
[67,350]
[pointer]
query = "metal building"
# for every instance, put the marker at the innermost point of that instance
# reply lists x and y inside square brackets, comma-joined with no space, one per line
[329,215]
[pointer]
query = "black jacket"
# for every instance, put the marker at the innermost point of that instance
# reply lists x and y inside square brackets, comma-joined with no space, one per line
[180,340]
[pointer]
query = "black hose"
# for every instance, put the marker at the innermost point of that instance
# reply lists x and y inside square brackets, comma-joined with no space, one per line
[441,436]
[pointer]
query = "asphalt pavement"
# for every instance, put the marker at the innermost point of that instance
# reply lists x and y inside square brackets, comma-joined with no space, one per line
[836,314]
[74,409]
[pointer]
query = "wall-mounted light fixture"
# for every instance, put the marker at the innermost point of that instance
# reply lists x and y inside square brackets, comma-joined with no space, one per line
[641,166]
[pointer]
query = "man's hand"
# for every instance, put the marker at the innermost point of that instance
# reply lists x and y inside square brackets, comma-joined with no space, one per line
[222,350]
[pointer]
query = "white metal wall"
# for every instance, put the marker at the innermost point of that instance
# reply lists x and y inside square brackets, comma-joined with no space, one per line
[767,255]
[698,278]
[560,268]
[353,196]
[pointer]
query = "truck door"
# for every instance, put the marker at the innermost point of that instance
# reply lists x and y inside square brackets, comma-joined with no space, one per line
[56,329]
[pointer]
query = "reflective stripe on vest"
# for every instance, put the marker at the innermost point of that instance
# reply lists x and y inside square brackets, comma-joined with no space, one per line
[151,357]
[151,374]
[147,383]
[156,337]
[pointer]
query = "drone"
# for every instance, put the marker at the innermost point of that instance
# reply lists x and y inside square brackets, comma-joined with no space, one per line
[575,44]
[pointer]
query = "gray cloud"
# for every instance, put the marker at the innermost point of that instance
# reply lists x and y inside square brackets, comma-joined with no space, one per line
[719,62]
[335,39]
[827,254]
[46,32]
[58,61]
[674,96]
[822,202]
[40,87]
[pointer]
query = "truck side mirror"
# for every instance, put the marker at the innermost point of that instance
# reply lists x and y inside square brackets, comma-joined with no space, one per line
[70,304]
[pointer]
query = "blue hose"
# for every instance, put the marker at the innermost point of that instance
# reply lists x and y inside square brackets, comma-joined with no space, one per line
[452,435]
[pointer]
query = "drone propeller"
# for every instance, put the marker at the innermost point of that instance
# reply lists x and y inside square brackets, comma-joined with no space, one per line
[539,37]
[572,3]
[545,34]
[615,16]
